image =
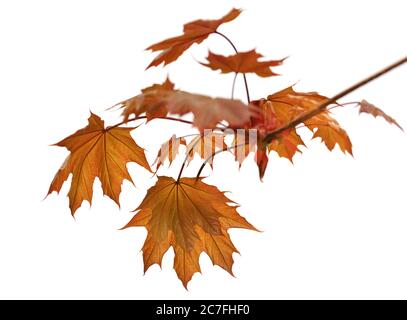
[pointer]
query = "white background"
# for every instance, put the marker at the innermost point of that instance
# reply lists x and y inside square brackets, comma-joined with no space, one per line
[333,226]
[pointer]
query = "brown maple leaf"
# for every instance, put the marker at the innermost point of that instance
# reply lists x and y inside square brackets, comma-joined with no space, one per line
[192,217]
[242,62]
[169,150]
[366,107]
[100,152]
[194,32]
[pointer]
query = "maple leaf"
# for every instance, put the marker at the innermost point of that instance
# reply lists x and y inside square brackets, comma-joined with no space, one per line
[242,62]
[286,145]
[100,152]
[194,32]
[288,104]
[275,114]
[169,150]
[366,107]
[148,102]
[207,111]
[192,217]
[205,145]
[330,132]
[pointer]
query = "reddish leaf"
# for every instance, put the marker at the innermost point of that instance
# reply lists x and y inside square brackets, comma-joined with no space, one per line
[261,160]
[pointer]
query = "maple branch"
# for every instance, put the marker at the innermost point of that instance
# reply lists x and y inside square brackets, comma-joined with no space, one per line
[323,106]
[244,75]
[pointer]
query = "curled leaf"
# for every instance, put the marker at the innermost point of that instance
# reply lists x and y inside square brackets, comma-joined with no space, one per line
[366,107]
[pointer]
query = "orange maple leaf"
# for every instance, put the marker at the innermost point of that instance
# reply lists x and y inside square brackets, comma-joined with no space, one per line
[100,152]
[366,107]
[194,32]
[192,217]
[276,114]
[289,104]
[242,62]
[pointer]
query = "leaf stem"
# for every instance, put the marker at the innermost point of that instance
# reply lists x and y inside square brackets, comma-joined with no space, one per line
[244,75]
[214,154]
[186,158]
[145,117]
[307,115]
[233,86]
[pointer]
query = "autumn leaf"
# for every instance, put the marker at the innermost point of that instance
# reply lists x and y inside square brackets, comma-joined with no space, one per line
[242,62]
[288,104]
[286,144]
[366,107]
[194,32]
[207,111]
[205,145]
[261,160]
[192,217]
[169,150]
[148,102]
[100,152]
[330,132]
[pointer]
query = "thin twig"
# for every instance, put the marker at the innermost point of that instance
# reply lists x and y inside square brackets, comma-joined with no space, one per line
[186,158]
[244,75]
[214,154]
[145,117]
[307,115]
